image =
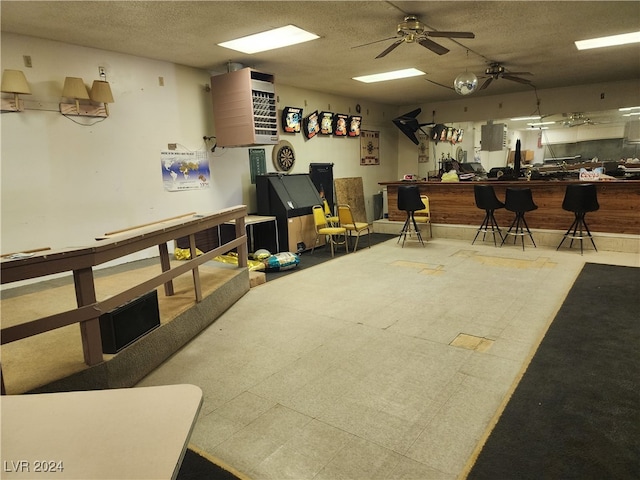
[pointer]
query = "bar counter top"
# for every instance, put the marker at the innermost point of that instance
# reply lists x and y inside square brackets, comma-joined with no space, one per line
[454,203]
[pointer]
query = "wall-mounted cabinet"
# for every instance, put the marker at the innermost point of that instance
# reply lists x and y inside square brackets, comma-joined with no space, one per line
[244,108]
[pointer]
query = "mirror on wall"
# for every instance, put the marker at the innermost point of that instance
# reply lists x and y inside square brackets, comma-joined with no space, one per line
[552,144]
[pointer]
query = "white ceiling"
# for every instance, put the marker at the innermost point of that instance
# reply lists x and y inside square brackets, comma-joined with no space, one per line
[531,36]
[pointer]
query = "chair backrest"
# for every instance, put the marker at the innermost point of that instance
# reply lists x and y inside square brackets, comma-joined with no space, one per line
[409,198]
[425,212]
[486,198]
[319,218]
[327,209]
[345,215]
[581,197]
[519,200]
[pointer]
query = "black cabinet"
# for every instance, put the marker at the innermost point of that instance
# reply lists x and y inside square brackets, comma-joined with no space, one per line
[290,198]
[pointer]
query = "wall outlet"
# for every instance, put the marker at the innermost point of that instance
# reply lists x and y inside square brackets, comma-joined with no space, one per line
[102,72]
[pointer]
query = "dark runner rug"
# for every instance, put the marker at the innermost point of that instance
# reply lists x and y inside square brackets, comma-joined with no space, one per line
[323,254]
[196,466]
[576,412]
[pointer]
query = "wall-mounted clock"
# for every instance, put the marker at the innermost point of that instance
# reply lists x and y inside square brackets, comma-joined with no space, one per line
[283,156]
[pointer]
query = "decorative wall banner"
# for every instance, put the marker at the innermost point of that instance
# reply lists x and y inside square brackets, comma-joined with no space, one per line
[326,123]
[291,119]
[355,121]
[423,148]
[185,170]
[369,147]
[340,124]
[310,125]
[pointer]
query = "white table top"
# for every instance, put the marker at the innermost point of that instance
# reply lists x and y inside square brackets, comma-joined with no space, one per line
[129,433]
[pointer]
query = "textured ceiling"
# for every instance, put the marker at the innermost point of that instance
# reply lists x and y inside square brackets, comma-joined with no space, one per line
[529,36]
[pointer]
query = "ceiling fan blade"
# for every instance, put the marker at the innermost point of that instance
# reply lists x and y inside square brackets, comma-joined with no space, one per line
[451,34]
[516,79]
[520,73]
[375,41]
[433,46]
[486,83]
[390,48]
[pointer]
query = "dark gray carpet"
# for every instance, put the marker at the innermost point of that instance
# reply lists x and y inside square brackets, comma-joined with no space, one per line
[576,412]
[323,254]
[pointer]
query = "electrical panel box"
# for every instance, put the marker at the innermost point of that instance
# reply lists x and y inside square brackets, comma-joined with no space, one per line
[494,137]
[244,108]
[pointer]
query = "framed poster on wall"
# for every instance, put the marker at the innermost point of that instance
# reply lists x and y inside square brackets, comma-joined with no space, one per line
[291,119]
[340,124]
[355,121]
[310,125]
[326,123]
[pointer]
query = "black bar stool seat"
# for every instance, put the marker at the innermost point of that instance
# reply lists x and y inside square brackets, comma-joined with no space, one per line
[519,201]
[486,200]
[579,199]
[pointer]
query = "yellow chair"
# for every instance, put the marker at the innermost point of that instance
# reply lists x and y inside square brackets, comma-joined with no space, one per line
[323,228]
[331,218]
[346,220]
[424,215]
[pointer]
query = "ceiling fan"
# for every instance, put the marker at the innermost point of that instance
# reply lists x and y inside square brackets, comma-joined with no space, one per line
[576,119]
[411,30]
[495,71]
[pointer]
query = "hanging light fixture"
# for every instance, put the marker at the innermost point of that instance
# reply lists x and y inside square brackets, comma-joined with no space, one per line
[14,81]
[466,83]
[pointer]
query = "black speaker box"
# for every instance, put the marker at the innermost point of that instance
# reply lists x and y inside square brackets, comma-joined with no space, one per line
[126,324]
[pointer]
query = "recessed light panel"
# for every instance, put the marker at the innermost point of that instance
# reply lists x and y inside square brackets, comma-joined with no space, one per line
[610,41]
[383,77]
[270,40]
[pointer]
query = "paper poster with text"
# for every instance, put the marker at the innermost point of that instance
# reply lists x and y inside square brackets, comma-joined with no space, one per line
[185,171]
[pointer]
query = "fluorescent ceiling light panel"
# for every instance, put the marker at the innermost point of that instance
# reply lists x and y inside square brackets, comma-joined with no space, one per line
[613,40]
[630,114]
[383,77]
[534,117]
[270,40]
[628,109]
[536,124]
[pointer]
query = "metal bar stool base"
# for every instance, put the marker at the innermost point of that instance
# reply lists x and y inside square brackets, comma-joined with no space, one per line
[408,230]
[489,225]
[576,232]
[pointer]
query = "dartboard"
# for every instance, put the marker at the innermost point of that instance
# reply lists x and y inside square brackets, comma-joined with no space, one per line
[283,156]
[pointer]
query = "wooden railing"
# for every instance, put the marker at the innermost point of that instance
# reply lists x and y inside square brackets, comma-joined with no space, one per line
[109,247]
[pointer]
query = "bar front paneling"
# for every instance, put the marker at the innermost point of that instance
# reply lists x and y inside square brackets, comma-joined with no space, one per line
[454,203]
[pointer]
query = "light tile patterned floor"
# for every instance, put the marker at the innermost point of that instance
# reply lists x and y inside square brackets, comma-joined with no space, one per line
[350,369]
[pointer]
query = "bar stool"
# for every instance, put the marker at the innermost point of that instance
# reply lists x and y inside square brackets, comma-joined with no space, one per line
[579,199]
[486,200]
[519,201]
[409,200]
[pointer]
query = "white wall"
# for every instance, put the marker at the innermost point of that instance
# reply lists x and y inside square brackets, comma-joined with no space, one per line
[62,183]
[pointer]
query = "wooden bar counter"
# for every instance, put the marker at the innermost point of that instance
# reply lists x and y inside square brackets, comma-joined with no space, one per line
[454,203]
